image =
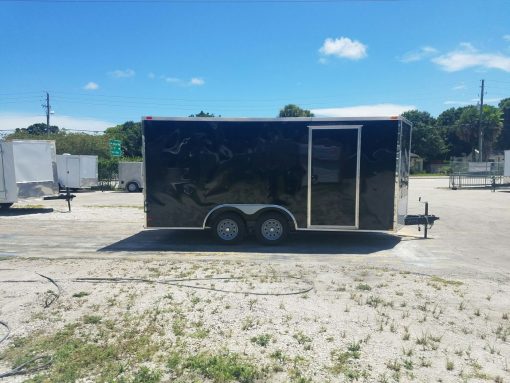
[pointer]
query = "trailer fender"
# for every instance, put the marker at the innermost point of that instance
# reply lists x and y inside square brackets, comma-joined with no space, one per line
[249,212]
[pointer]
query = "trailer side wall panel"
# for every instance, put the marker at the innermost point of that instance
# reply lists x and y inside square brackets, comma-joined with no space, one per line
[195,165]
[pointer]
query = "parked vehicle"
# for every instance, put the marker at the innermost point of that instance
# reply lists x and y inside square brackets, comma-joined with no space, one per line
[77,171]
[8,187]
[33,165]
[131,176]
[271,176]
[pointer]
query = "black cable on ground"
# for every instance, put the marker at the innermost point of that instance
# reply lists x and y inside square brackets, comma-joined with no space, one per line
[24,368]
[178,283]
[8,331]
[53,296]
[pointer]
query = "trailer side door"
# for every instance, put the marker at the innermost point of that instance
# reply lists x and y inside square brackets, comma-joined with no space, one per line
[333,177]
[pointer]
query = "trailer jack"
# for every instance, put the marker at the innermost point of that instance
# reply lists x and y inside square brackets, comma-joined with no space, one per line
[425,220]
[67,196]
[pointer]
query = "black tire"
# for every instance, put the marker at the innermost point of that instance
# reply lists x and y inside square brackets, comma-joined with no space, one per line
[5,205]
[272,228]
[229,228]
[132,187]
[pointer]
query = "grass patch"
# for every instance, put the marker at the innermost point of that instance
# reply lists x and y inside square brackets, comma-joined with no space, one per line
[91,319]
[220,368]
[80,294]
[344,362]
[446,282]
[363,287]
[261,340]
[111,352]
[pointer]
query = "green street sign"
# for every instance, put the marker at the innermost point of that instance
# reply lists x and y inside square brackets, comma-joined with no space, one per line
[115,148]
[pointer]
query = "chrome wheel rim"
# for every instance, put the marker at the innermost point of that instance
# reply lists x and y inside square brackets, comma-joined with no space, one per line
[132,187]
[227,229]
[272,229]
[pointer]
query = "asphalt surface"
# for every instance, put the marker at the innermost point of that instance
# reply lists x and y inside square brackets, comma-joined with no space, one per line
[470,239]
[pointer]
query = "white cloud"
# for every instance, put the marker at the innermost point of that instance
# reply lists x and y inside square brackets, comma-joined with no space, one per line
[119,73]
[417,55]
[374,110]
[453,102]
[151,75]
[171,79]
[460,86]
[344,47]
[17,120]
[196,81]
[466,56]
[91,86]
[506,37]
[473,101]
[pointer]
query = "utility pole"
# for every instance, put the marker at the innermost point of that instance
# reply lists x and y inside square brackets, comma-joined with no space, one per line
[480,130]
[47,106]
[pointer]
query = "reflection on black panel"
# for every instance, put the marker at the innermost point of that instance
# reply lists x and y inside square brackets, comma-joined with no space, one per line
[333,187]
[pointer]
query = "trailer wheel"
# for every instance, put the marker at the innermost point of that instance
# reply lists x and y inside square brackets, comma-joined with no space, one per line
[132,187]
[5,205]
[229,228]
[272,228]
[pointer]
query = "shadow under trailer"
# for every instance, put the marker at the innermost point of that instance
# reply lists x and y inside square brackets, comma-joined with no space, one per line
[273,176]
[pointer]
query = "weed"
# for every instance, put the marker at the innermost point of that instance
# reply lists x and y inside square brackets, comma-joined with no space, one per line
[279,356]
[261,340]
[302,338]
[363,287]
[449,365]
[343,362]
[446,282]
[248,323]
[81,294]
[178,326]
[91,319]
[145,375]
[408,364]
[393,365]
[220,368]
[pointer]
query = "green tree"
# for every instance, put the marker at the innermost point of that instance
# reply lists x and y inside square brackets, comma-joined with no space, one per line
[202,114]
[292,110]
[446,122]
[72,143]
[38,129]
[130,135]
[427,140]
[467,127]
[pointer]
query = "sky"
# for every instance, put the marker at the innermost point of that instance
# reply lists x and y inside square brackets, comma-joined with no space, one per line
[107,62]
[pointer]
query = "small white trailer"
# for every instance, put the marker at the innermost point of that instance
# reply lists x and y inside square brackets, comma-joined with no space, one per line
[131,176]
[33,164]
[8,187]
[77,171]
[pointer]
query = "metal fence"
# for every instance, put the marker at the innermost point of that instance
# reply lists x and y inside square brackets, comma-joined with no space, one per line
[465,174]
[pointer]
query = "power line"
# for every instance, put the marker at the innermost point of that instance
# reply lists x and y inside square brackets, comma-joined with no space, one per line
[238,2]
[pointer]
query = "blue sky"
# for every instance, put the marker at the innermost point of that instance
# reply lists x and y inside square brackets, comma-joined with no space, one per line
[105,63]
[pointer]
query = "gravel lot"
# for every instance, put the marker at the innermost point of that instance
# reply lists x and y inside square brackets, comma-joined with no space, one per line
[325,307]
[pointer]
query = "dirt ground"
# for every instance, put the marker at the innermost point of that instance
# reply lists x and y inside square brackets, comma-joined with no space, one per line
[130,305]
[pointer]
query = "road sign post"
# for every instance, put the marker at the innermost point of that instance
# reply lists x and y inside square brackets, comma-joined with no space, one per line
[115,148]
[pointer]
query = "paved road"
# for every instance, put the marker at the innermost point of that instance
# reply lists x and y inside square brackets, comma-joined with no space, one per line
[471,239]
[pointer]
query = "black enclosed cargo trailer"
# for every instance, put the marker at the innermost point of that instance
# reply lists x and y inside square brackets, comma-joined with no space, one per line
[276,175]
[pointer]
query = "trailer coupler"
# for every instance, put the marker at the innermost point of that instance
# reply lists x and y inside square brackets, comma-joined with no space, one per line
[67,196]
[426,220]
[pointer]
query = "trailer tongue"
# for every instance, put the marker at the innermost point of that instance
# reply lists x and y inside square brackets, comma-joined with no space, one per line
[425,220]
